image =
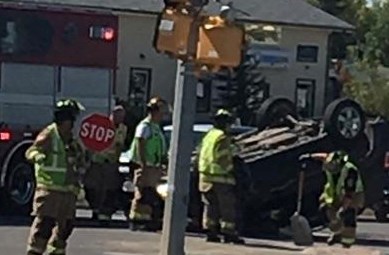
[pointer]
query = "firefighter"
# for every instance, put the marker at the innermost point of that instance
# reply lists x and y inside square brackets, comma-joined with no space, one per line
[59,160]
[102,180]
[343,195]
[217,181]
[148,153]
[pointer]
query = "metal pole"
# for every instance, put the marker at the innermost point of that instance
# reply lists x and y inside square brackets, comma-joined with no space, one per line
[176,206]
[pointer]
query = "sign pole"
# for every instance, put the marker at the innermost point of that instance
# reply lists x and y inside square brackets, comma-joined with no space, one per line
[176,206]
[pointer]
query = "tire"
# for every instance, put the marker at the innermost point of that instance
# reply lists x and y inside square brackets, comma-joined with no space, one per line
[344,120]
[19,186]
[273,111]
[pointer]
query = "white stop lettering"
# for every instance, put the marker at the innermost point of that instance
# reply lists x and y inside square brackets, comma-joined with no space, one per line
[100,134]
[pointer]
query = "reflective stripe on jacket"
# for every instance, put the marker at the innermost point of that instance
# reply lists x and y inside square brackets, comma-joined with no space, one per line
[51,171]
[333,191]
[155,146]
[215,160]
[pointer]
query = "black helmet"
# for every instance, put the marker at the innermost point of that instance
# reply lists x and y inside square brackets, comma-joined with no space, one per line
[67,109]
[338,156]
[335,161]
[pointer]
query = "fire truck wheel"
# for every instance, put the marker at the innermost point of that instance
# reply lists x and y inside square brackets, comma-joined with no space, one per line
[20,186]
[273,111]
[344,120]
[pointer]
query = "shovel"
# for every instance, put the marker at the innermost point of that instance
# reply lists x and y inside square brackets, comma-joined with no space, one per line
[302,233]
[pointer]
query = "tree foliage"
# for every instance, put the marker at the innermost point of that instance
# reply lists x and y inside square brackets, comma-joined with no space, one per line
[370,88]
[244,90]
[377,38]
[355,12]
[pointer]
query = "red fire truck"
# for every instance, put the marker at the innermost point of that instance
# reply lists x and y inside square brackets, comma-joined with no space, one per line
[47,53]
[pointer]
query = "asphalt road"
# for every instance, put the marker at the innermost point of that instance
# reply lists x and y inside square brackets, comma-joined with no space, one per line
[118,240]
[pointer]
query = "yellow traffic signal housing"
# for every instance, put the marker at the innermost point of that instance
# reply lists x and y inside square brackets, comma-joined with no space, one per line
[220,44]
[172,33]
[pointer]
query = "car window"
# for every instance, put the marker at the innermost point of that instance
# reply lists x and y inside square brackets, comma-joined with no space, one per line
[197,136]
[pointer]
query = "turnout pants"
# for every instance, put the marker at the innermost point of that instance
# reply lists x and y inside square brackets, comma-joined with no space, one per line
[145,198]
[220,209]
[102,184]
[345,227]
[53,224]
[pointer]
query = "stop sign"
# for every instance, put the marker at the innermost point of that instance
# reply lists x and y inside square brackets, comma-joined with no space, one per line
[97,132]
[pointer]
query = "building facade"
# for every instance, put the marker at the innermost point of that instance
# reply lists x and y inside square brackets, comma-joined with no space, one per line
[294,60]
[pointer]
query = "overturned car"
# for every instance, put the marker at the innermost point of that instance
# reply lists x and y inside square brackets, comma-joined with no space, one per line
[267,163]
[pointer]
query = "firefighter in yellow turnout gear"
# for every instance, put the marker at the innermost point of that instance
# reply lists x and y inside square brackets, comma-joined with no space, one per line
[148,153]
[102,180]
[217,181]
[58,160]
[343,196]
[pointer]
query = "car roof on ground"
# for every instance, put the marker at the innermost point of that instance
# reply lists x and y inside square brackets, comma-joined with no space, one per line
[202,128]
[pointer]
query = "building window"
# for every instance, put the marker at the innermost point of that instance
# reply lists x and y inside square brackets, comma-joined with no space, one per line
[139,88]
[203,104]
[24,35]
[307,53]
[305,97]
[263,34]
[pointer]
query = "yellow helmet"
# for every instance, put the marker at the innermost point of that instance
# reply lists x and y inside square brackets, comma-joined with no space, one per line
[155,103]
[223,112]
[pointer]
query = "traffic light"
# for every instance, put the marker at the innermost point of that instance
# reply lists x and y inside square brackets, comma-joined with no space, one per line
[172,33]
[220,43]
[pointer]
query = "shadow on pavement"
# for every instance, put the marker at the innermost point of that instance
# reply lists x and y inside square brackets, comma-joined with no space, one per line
[363,242]
[272,246]
[9,221]
[373,242]
[370,220]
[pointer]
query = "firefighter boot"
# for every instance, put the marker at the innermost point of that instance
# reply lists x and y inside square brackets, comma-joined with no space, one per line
[213,237]
[333,239]
[234,239]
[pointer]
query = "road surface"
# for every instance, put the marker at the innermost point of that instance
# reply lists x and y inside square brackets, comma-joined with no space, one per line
[90,240]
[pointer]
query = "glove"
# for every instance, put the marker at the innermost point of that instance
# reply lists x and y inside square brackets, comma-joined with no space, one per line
[304,157]
[39,158]
[81,194]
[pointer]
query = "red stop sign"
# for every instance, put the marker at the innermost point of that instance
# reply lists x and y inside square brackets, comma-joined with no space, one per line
[97,132]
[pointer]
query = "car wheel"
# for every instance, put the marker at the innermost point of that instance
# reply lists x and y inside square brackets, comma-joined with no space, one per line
[20,187]
[273,111]
[344,120]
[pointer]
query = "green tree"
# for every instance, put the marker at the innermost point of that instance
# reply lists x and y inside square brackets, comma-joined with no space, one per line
[243,91]
[377,38]
[354,12]
[370,88]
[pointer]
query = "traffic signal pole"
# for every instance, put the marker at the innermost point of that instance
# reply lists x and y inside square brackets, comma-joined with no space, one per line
[176,205]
